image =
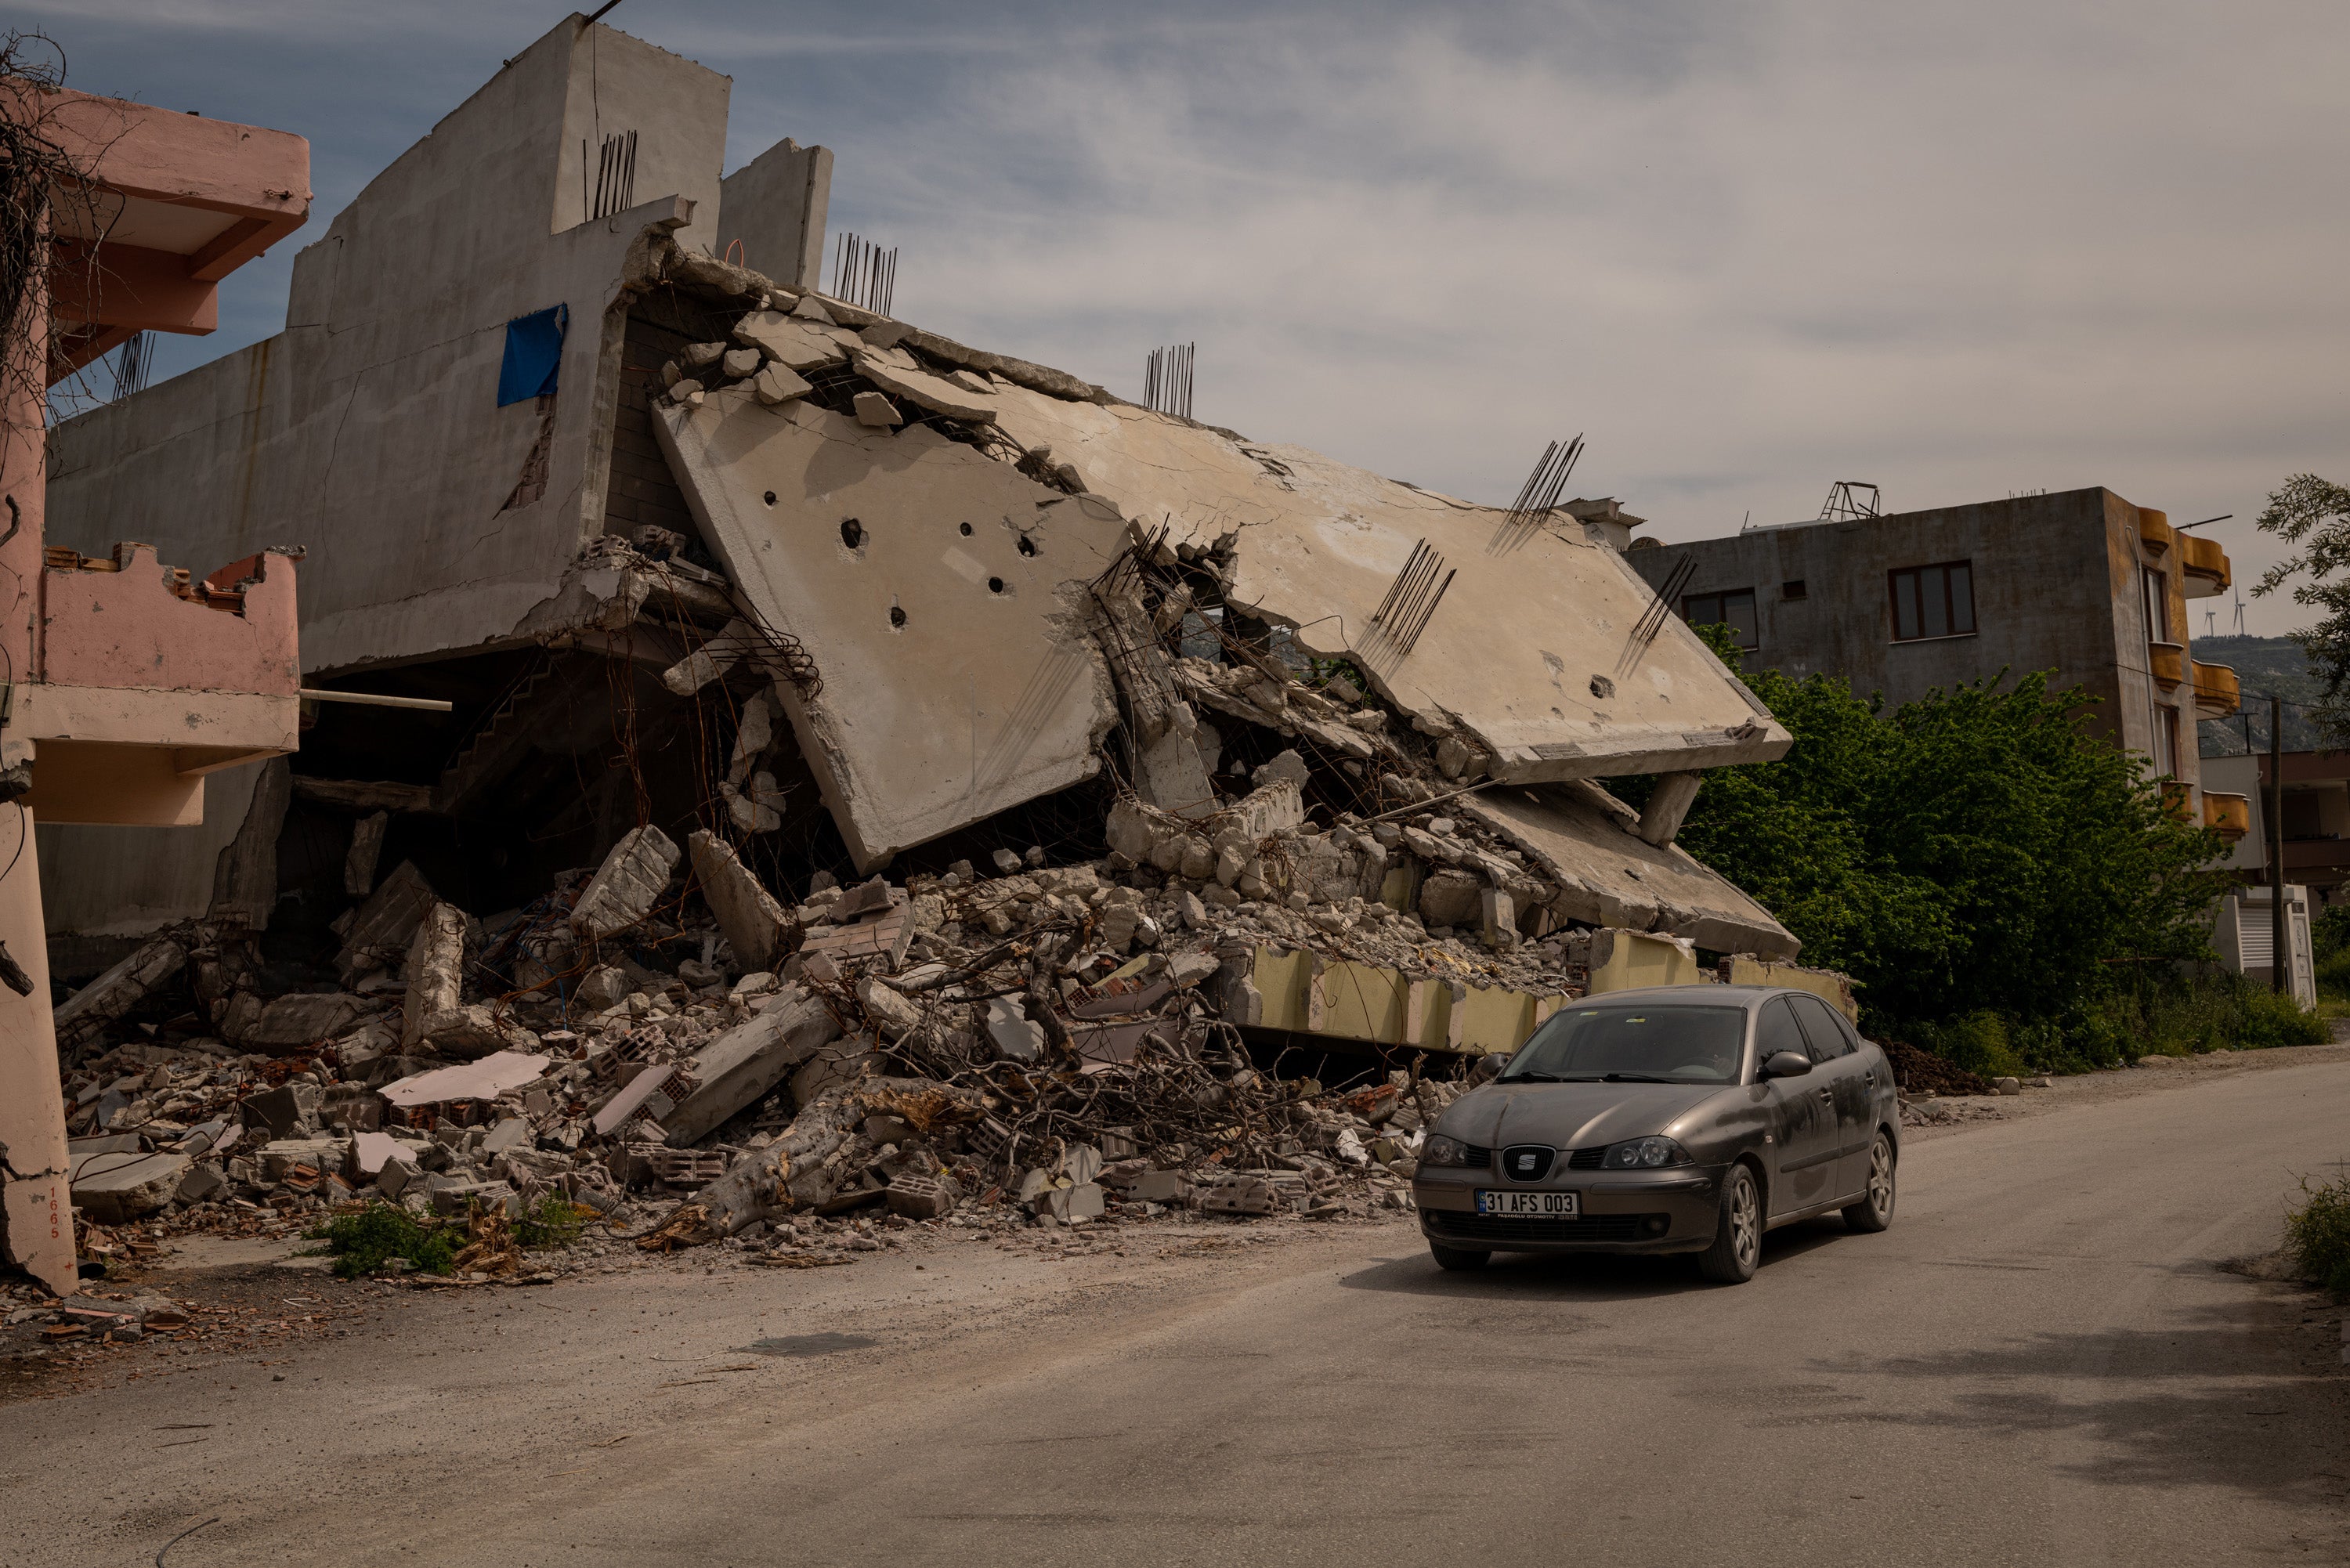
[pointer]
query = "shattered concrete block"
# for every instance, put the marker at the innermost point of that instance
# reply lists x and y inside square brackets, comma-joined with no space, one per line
[749,1060]
[1016,1036]
[1156,1187]
[203,1184]
[711,660]
[380,933]
[1500,923]
[1130,830]
[1269,809]
[688,392]
[1231,861]
[1198,861]
[510,1133]
[1451,898]
[603,988]
[436,971]
[627,885]
[365,849]
[289,1023]
[87,1013]
[895,371]
[1185,970]
[923,1197]
[755,923]
[796,345]
[113,1189]
[1082,1163]
[477,1030]
[1287,766]
[811,308]
[1238,1194]
[891,1014]
[399,1174]
[869,898]
[698,355]
[876,412]
[758,807]
[738,363]
[779,384]
[1174,778]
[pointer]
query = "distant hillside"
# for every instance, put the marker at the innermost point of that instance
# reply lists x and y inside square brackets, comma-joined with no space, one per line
[2263,665]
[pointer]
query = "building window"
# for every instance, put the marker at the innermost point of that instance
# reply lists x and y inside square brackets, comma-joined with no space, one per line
[2158,606]
[2168,718]
[1933,601]
[1735,609]
[1795,588]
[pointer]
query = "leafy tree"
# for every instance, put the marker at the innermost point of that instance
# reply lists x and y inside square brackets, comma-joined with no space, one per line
[2313,515]
[1980,848]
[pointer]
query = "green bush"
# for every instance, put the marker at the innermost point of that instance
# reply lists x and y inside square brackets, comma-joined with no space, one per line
[2270,1018]
[1979,1042]
[2318,1234]
[2329,934]
[1982,850]
[2334,974]
[360,1243]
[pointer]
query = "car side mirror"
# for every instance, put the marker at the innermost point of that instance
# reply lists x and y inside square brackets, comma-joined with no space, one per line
[1787,1064]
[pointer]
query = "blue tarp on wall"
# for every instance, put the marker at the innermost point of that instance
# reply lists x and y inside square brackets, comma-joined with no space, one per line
[534,354]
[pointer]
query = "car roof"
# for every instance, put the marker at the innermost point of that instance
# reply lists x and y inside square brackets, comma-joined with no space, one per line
[1717,995]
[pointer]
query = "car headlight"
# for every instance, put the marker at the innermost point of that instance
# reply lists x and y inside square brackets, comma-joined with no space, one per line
[1442,1150]
[1645,1154]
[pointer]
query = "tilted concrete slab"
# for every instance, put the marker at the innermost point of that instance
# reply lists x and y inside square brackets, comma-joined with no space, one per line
[1581,837]
[939,592]
[1531,649]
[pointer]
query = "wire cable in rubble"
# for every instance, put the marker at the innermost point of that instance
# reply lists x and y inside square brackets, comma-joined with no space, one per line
[181,1536]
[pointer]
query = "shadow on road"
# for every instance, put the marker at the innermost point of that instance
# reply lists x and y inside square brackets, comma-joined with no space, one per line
[2243,1394]
[1593,1277]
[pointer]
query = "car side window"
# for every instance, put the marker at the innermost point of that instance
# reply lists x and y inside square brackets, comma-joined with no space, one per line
[1775,1030]
[1823,1028]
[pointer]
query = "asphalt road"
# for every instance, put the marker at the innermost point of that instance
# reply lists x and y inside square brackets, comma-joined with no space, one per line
[2040,1363]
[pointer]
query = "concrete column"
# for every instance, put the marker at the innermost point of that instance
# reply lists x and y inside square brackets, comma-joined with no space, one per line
[1666,806]
[35,1204]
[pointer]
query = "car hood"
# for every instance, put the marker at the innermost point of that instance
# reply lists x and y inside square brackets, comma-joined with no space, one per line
[1570,1116]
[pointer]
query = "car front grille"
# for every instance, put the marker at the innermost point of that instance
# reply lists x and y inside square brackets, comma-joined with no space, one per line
[1587,1158]
[1496,1229]
[1527,1161]
[1476,1153]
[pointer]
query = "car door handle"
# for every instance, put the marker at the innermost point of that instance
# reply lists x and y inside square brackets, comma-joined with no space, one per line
[1828,1094]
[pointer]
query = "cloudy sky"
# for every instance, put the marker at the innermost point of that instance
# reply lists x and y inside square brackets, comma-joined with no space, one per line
[1963,250]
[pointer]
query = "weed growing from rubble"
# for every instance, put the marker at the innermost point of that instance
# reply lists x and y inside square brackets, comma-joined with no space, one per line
[554,1222]
[2317,1234]
[364,1242]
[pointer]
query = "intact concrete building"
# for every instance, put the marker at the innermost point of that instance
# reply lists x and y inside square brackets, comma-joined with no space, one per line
[581,448]
[2081,583]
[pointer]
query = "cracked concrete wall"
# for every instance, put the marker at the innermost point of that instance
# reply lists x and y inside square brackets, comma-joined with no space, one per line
[36,1209]
[368,430]
[129,881]
[939,592]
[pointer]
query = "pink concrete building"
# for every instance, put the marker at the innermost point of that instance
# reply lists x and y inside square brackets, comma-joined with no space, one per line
[123,682]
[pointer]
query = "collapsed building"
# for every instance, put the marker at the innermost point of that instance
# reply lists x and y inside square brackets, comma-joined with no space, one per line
[874,767]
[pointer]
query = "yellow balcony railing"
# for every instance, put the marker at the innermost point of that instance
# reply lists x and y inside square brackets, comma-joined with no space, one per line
[2229,816]
[2167,661]
[2217,694]
[2202,566]
[2154,530]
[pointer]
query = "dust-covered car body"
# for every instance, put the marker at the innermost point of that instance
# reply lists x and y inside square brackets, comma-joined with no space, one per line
[1669,1093]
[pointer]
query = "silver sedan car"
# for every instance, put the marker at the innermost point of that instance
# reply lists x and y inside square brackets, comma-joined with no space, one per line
[1688,1119]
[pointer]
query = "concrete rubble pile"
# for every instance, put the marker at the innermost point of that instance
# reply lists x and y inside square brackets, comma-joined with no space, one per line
[663,1042]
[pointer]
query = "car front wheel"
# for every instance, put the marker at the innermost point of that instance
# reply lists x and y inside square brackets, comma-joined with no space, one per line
[1875,1209]
[1461,1260]
[1738,1231]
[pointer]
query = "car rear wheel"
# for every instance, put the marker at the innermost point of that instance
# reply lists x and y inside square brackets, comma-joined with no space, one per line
[1875,1209]
[1458,1259]
[1738,1231]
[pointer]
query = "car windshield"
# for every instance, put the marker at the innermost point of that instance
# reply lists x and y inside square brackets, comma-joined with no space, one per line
[1633,1044]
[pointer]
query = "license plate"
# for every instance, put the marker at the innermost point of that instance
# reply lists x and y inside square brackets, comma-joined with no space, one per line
[1551,1205]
